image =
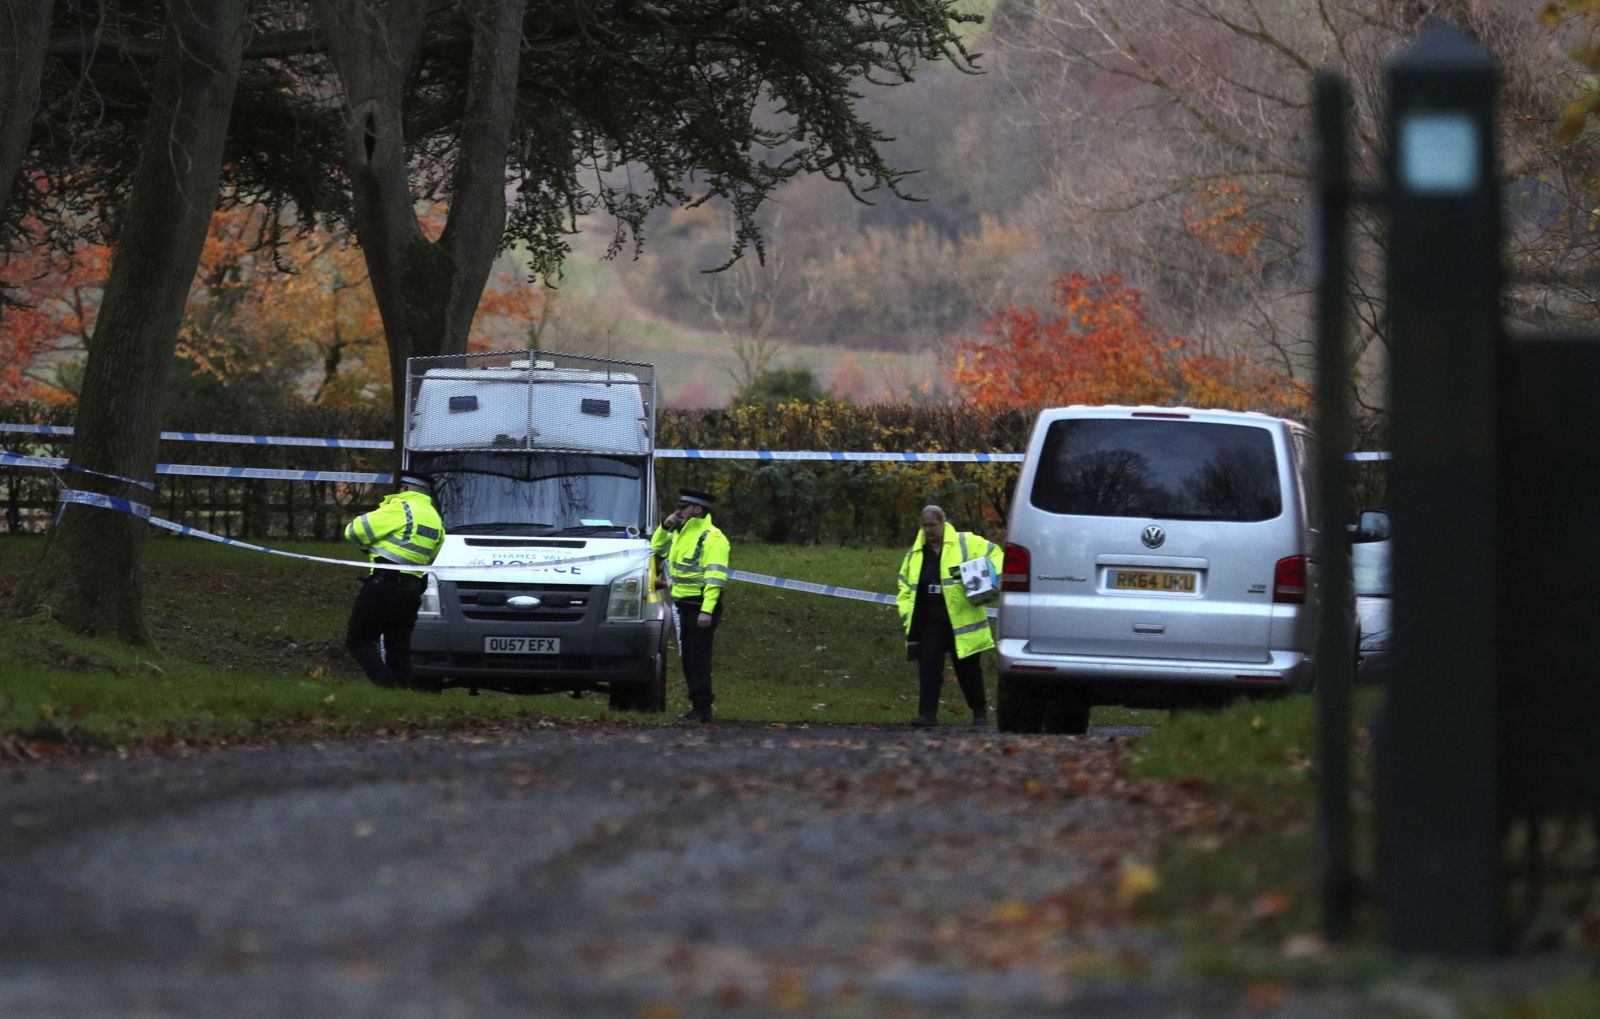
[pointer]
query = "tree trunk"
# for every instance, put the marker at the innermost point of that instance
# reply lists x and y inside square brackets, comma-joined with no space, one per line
[89,578]
[23,27]
[427,291]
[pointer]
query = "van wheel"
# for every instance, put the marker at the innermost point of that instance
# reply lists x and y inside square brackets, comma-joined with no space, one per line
[1019,705]
[1066,713]
[649,693]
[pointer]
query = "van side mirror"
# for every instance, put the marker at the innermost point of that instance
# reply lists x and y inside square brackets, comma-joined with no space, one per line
[1373,525]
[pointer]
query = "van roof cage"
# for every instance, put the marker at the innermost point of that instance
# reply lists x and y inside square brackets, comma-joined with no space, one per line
[533,400]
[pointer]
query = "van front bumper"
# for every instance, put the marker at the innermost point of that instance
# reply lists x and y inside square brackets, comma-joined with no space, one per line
[1152,680]
[592,657]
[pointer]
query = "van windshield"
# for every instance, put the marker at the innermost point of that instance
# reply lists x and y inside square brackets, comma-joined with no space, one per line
[536,493]
[1170,470]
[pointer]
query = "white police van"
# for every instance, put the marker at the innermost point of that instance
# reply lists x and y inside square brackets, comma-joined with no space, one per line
[1156,557]
[543,469]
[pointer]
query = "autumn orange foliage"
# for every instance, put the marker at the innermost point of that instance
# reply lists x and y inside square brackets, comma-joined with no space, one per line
[1220,216]
[1100,348]
[291,315]
[57,295]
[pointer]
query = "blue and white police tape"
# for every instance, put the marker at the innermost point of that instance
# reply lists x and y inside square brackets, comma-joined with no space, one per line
[51,463]
[273,474]
[383,478]
[110,502]
[253,440]
[827,590]
[76,497]
[794,455]
[837,457]
[81,498]
[203,471]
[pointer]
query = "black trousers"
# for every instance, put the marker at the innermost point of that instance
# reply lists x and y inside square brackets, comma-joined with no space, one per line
[387,608]
[694,641]
[934,641]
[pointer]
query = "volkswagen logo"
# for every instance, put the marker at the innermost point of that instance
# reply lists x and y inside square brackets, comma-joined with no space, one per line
[1153,536]
[523,601]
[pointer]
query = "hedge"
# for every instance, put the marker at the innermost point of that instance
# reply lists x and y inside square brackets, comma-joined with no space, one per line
[799,502]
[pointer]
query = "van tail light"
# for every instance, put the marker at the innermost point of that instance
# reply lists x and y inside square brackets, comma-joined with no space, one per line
[1016,573]
[1289,581]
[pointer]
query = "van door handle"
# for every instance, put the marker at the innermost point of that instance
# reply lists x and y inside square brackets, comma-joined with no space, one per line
[1151,628]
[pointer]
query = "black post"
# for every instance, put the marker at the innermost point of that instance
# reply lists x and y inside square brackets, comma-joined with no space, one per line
[1440,796]
[1335,641]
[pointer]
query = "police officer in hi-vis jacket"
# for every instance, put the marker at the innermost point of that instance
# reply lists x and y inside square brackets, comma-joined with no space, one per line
[696,551]
[937,617]
[405,529]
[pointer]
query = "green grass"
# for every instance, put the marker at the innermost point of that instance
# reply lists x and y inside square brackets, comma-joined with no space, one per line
[1239,908]
[247,643]
[1242,892]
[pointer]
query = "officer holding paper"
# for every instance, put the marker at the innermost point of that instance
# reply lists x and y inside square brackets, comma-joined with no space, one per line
[938,616]
[405,530]
[696,551]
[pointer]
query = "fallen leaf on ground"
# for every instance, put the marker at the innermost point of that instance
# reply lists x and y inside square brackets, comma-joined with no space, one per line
[1304,946]
[1013,912]
[1264,995]
[1136,879]
[1269,905]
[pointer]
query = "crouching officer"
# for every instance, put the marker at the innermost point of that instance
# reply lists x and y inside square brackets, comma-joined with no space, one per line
[697,568]
[404,529]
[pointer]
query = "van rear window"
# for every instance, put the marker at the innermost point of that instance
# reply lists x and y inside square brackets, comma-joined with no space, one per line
[1173,470]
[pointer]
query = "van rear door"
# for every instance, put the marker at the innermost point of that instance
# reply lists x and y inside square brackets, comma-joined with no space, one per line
[1176,526]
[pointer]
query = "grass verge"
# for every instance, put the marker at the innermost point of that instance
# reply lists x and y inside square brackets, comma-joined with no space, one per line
[1241,886]
[248,645]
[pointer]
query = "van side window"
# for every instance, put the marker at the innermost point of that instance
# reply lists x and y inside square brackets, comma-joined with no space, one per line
[1305,456]
[1171,470]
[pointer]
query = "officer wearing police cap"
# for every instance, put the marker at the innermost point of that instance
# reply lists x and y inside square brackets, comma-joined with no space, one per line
[696,553]
[404,530]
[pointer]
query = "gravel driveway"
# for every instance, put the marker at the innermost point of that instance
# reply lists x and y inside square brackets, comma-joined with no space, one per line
[582,869]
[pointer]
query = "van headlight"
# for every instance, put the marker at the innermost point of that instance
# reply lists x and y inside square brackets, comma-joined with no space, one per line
[627,597]
[430,599]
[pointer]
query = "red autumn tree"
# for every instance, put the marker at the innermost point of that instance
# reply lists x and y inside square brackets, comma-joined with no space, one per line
[291,316]
[54,297]
[1099,347]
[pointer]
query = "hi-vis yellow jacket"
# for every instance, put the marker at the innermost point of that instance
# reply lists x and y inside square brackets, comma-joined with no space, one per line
[404,529]
[969,622]
[697,560]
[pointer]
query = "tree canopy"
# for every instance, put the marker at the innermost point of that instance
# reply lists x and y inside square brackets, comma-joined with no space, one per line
[515,117]
[619,107]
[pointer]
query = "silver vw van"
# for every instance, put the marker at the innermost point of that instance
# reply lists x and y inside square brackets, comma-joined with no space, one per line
[1156,557]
